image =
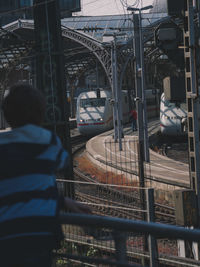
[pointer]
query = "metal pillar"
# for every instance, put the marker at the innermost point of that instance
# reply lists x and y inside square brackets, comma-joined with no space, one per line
[118,97]
[138,79]
[50,77]
[153,248]
[97,75]
[140,147]
[139,110]
[120,247]
[192,97]
[117,112]
[141,75]
[113,59]
[143,87]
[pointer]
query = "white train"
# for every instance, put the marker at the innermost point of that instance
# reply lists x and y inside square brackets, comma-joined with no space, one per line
[173,117]
[95,114]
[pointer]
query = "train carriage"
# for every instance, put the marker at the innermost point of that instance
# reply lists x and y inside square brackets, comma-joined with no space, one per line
[95,111]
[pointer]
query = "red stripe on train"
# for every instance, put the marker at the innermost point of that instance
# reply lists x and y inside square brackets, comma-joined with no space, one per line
[95,123]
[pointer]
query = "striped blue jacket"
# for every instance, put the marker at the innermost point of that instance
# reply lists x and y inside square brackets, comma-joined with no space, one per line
[29,201]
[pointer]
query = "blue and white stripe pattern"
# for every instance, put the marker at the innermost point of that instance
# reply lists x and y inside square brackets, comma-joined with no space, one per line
[29,159]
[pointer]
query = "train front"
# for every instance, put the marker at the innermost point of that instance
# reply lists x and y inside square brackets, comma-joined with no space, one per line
[92,112]
[172,118]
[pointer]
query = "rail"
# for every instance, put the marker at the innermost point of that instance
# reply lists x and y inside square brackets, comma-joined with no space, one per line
[120,229]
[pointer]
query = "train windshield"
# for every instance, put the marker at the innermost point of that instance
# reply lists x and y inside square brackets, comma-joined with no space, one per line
[92,102]
[169,104]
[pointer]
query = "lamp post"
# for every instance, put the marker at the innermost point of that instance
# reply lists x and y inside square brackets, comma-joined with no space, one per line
[141,73]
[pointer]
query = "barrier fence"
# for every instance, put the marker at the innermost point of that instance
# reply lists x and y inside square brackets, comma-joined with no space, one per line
[119,233]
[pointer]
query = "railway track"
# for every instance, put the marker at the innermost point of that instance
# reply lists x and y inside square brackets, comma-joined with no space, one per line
[107,200]
[78,142]
[127,203]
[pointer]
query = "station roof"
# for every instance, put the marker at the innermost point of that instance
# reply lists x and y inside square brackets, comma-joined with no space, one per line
[95,27]
[99,26]
[17,38]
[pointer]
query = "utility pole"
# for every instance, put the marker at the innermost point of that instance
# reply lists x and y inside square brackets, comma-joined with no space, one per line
[141,84]
[50,77]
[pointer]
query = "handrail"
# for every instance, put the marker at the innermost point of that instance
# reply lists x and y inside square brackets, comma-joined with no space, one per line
[156,229]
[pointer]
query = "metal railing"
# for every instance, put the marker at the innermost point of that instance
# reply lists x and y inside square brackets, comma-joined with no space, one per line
[120,229]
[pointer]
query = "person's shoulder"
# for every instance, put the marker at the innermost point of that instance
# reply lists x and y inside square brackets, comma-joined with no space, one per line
[6,136]
[36,134]
[55,139]
[28,133]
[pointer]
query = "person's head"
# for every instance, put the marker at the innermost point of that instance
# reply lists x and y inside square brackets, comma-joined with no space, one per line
[23,105]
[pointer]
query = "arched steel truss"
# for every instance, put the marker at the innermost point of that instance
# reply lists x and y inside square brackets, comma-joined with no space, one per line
[101,53]
[98,49]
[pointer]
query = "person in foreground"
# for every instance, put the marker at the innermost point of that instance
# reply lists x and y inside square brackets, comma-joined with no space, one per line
[30,156]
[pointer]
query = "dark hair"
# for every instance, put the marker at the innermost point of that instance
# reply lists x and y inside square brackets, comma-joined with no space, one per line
[23,104]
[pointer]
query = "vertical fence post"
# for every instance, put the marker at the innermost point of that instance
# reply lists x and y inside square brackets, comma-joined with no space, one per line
[153,248]
[140,151]
[120,247]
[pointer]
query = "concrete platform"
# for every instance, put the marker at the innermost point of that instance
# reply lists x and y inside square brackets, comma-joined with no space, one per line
[162,171]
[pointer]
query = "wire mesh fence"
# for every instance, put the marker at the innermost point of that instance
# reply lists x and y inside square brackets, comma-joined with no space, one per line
[111,186]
